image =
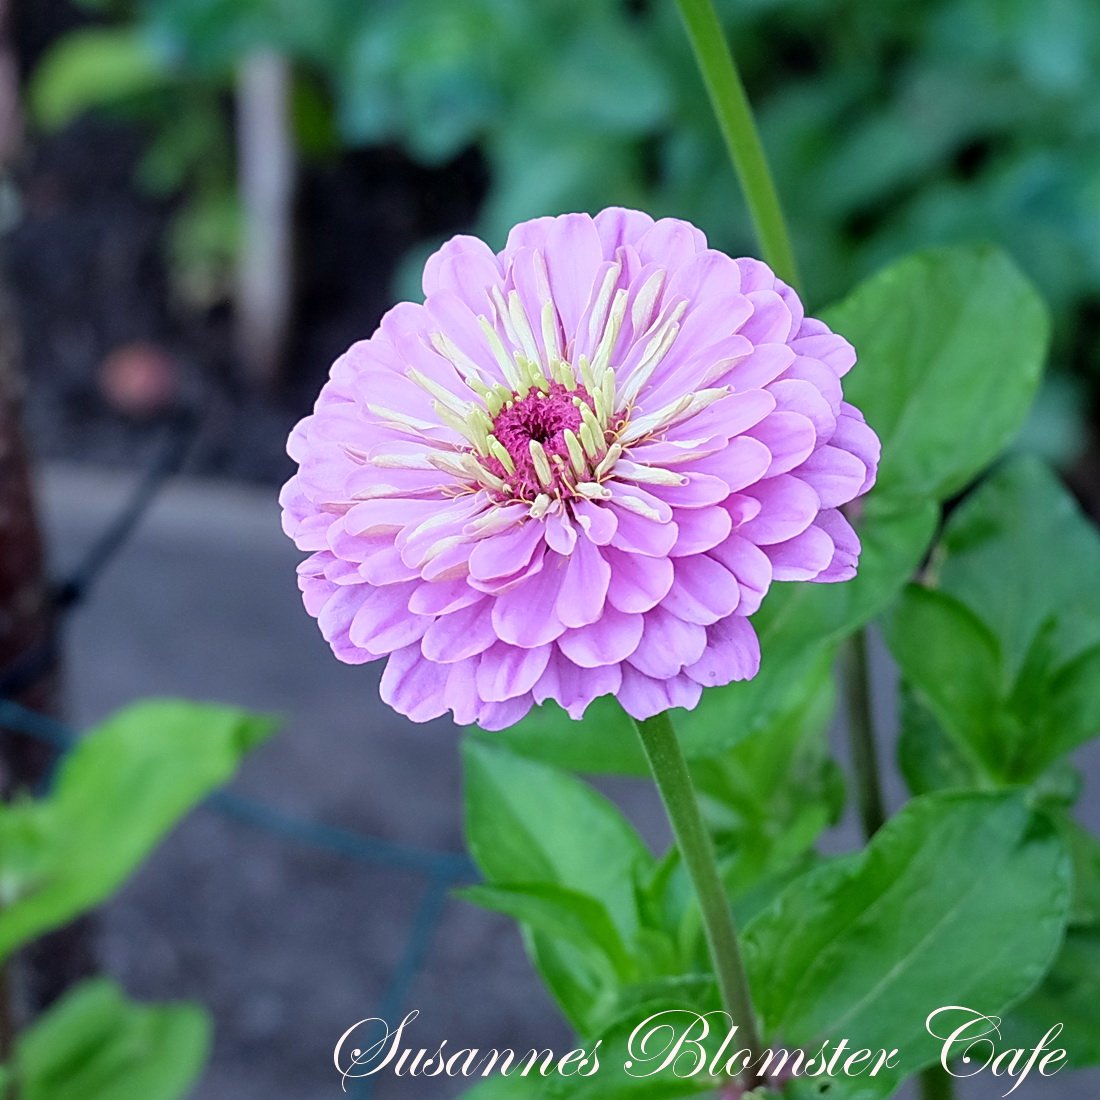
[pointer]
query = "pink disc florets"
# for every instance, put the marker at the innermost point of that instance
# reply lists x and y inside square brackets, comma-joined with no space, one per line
[574,471]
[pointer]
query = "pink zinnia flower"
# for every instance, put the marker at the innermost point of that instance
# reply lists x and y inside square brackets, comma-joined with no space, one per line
[574,471]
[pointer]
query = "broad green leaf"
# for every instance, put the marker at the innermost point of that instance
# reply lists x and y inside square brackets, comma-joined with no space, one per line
[1019,553]
[961,899]
[951,345]
[556,911]
[930,759]
[96,1045]
[1068,997]
[116,794]
[93,67]
[528,822]
[512,1087]
[954,663]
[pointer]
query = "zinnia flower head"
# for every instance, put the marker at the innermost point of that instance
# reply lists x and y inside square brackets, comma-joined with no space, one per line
[574,471]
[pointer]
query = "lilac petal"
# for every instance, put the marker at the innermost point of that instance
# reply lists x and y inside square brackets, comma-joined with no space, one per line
[730,416]
[699,491]
[466,266]
[380,516]
[820,377]
[794,394]
[617,227]
[802,558]
[743,461]
[573,253]
[460,691]
[598,522]
[637,583]
[448,563]
[499,716]
[741,508]
[843,565]
[445,523]
[642,696]
[639,535]
[316,589]
[506,671]
[752,568]
[703,590]
[700,529]
[763,366]
[667,645]
[382,622]
[711,273]
[573,687]
[633,498]
[755,274]
[560,534]
[529,234]
[442,597]
[610,639]
[525,615]
[789,436]
[732,653]
[499,585]
[670,242]
[788,507]
[834,474]
[459,635]
[830,348]
[506,553]
[581,598]
[771,320]
[383,565]
[413,686]
[853,434]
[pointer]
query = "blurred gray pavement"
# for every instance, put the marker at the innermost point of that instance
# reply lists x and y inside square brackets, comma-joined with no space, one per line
[286,946]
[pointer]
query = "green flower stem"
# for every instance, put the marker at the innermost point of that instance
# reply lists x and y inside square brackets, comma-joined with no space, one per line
[731,106]
[861,734]
[936,1084]
[670,770]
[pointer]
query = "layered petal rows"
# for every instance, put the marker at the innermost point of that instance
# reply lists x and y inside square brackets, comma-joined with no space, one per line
[574,471]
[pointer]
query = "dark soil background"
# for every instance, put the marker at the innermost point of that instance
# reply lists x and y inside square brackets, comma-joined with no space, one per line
[85,260]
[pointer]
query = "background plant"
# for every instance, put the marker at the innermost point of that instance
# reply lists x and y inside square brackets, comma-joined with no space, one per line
[113,798]
[976,891]
[891,125]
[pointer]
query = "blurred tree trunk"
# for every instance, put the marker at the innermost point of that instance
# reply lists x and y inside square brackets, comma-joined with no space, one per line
[28,665]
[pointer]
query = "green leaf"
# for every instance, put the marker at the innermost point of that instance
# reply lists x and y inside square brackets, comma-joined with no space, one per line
[116,794]
[961,899]
[90,68]
[951,346]
[528,822]
[96,1045]
[953,661]
[555,911]
[1019,553]
[929,758]
[1068,997]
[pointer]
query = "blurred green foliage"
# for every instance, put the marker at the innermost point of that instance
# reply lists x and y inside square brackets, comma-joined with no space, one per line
[116,793]
[889,124]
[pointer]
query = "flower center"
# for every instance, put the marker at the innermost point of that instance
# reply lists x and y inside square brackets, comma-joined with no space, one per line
[541,419]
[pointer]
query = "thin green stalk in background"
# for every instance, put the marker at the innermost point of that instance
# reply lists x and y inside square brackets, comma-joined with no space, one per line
[735,120]
[731,107]
[670,771]
[861,733]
